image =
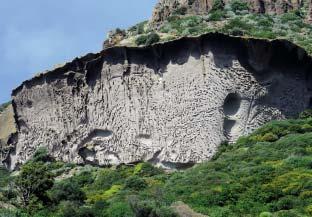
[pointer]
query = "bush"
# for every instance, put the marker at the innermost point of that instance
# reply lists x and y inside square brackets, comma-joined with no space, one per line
[141,40]
[269,137]
[266,214]
[135,183]
[67,190]
[147,170]
[41,155]
[147,39]
[119,209]
[306,114]
[216,15]
[106,178]
[286,203]
[84,178]
[149,208]
[67,209]
[12,213]
[238,6]
[152,38]
[4,176]
[217,5]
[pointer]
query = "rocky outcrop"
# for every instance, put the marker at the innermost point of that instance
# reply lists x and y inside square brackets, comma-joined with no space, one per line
[114,37]
[171,104]
[7,128]
[183,210]
[166,8]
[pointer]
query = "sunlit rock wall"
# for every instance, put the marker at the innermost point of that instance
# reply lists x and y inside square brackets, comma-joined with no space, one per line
[171,104]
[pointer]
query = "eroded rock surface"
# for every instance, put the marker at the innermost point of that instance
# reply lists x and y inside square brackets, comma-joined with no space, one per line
[171,104]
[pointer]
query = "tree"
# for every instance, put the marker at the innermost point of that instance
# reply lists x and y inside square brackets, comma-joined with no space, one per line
[67,190]
[34,180]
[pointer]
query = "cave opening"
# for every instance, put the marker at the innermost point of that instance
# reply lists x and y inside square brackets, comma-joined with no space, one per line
[231,104]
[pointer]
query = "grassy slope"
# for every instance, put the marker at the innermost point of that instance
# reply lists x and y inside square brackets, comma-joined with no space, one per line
[267,173]
[270,170]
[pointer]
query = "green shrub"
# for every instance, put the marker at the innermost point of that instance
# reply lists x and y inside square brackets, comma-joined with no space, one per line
[152,38]
[266,214]
[217,5]
[67,209]
[4,177]
[138,29]
[306,114]
[238,6]
[147,170]
[222,148]
[307,128]
[286,213]
[67,190]
[106,178]
[119,209]
[216,15]
[135,183]
[141,40]
[237,26]
[147,39]
[41,155]
[12,213]
[286,203]
[269,137]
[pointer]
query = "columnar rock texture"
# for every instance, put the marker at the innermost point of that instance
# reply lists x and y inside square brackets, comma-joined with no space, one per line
[171,104]
[166,8]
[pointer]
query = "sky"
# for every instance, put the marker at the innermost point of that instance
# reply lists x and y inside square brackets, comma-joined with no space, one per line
[36,35]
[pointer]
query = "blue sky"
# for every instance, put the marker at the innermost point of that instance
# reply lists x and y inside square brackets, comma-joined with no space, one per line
[35,35]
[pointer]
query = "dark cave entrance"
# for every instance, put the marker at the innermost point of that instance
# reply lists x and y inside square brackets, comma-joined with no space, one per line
[231,104]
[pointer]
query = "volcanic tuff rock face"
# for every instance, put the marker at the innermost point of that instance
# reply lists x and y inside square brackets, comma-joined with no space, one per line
[7,127]
[166,8]
[170,104]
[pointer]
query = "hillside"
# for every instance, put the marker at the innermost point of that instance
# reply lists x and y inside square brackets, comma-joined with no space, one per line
[267,173]
[236,18]
[194,113]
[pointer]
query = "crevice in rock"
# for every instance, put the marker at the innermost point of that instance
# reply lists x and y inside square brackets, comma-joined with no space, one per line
[227,127]
[176,165]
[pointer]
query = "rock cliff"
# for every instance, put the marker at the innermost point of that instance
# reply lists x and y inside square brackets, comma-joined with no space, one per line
[171,104]
[166,8]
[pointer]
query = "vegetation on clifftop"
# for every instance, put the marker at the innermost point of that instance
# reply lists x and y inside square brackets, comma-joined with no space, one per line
[268,173]
[232,19]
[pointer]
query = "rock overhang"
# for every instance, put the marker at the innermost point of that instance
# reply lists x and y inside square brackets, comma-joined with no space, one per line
[169,103]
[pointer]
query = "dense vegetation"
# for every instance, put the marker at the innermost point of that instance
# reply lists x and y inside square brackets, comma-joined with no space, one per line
[233,19]
[268,173]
